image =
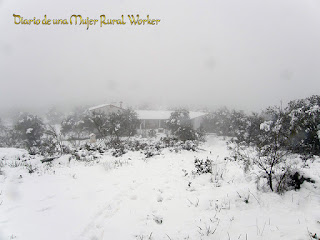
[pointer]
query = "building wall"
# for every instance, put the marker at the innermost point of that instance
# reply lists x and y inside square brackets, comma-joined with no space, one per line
[196,122]
[160,123]
[152,123]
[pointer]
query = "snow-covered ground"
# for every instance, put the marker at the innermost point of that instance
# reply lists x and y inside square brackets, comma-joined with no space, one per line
[132,197]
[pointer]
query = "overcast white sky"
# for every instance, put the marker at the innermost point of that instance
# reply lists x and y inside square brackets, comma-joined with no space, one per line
[247,54]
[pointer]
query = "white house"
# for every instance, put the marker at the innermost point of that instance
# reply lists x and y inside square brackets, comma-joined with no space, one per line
[150,119]
[153,119]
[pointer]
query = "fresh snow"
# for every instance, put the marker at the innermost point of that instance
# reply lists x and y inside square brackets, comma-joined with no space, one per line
[132,197]
[29,130]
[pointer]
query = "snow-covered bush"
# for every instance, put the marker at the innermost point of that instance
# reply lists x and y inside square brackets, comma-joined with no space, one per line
[77,126]
[268,150]
[149,148]
[177,145]
[151,151]
[250,129]
[46,147]
[136,145]
[299,121]
[190,145]
[180,126]
[152,133]
[202,166]
[169,141]
[30,168]
[99,121]
[225,122]
[84,155]
[118,152]
[304,125]
[123,123]
[3,134]
[178,118]
[30,129]
[10,138]
[31,133]
[185,133]
[116,125]
[271,153]
[117,146]
[295,179]
[53,138]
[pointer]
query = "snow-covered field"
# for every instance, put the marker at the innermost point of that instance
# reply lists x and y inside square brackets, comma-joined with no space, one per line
[132,197]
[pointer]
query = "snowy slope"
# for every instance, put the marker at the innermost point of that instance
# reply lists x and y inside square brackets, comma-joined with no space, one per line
[156,198]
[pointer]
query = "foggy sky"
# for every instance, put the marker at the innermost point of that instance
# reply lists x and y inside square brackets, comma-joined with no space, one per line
[246,54]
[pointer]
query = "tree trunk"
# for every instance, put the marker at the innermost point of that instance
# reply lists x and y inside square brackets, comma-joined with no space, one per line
[270,181]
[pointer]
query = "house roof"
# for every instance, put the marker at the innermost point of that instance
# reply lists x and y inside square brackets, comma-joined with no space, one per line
[163,115]
[196,114]
[102,106]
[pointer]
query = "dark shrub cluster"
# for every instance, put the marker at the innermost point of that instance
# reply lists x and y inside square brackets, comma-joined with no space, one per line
[152,151]
[31,133]
[174,144]
[202,166]
[9,137]
[180,126]
[81,125]
[137,145]
[149,147]
[30,129]
[295,180]
[122,124]
[77,125]
[304,125]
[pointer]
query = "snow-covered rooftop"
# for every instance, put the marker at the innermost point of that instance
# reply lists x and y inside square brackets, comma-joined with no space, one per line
[101,106]
[162,115]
